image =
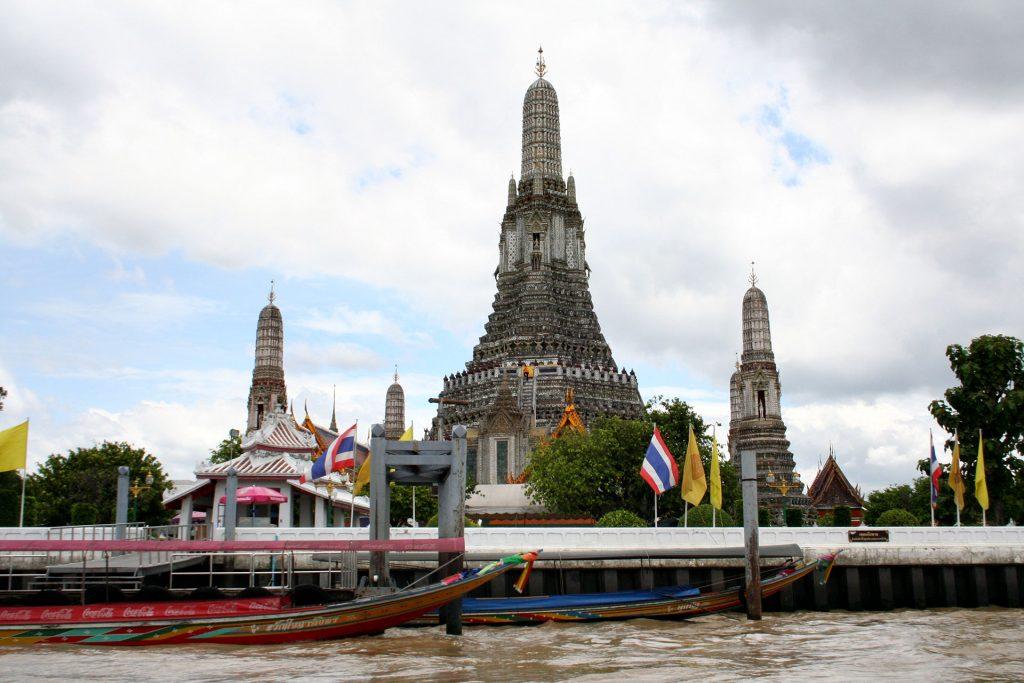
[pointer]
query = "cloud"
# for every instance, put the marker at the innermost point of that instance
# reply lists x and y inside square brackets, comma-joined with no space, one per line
[302,357]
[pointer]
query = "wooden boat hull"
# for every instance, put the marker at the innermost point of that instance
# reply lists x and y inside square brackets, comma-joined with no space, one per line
[496,611]
[250,623]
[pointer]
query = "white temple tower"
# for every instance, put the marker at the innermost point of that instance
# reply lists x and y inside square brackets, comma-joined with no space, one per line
[268,392]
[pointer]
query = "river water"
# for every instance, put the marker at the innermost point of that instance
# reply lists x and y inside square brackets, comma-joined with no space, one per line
[946,644]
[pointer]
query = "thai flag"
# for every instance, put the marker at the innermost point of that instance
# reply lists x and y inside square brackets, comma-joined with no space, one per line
[935,471]
[340,455]
[659,469]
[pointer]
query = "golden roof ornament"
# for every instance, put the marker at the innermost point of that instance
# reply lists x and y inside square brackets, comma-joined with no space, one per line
[541,68]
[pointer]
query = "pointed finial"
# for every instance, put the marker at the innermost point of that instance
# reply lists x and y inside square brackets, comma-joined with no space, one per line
[291,409]
[738,366]
[753,275]
[305,407]
[271,297]
[396,373]
[334,408]
[541,68]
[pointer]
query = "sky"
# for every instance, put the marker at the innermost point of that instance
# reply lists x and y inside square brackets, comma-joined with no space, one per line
[161,163]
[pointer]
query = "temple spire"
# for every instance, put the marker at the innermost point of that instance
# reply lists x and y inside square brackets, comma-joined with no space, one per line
[334,408]
[267,394]
[753,275]
[541,68]
[542,138]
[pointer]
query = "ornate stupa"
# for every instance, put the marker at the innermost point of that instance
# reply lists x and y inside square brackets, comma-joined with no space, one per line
[267,393]
[756,412]
[542,336]
[394,410]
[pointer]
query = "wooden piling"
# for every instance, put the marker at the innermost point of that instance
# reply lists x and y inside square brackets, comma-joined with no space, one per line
[750,535]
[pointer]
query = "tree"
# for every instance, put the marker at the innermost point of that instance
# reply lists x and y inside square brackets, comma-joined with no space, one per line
[896,517]
[598,472]
[891,498]
[990,398]
[842,515]
[228,449]
[3,395]
[701,516]
[794,517]
[84,514]
[89,475]
[426,503]
[621,518]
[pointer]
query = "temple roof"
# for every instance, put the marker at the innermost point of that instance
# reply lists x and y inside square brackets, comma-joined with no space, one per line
[831,487]
[282,466]
[280,434]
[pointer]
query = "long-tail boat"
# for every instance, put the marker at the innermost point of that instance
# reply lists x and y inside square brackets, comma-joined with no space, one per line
[676,602]
[236,621]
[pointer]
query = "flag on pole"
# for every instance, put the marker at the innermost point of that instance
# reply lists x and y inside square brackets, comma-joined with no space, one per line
[716,476]
[659,469]
[935,471]
[694,483]
[340,455]
[956,478]
[980,487]
[362,478]
[14,448]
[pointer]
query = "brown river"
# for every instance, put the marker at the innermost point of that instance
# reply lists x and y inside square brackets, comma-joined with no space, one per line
[947,644]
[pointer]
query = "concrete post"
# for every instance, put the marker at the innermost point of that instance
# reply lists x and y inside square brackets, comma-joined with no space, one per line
[451,521]
[231,505]
[185,519]
[121,511]
[319,512]
[750,534]
[284,510]
[380,504]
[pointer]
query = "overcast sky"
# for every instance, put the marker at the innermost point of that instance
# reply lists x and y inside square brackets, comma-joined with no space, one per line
[161,163]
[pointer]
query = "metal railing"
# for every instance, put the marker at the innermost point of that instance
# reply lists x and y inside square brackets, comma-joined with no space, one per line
[132,532]
[279,567]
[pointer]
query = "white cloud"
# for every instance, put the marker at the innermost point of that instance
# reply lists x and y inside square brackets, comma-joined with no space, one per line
[302,357]
[374,141]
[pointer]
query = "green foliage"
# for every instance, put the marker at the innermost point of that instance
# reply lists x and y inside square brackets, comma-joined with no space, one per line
[701,516]
[10,498]
[3,395]
[228,449]
[432,521]
[764,517]
[595,473]
[89,475]
[621,518]
[896,517]
[842,516]
[426,504]
[794,517]
[990,398]
[893,497]
[84,513]
[827,520]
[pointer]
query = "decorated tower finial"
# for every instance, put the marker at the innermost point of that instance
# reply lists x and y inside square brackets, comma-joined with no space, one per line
[396,373]
[271,296]
[541,68]
[753,275]
[334,408]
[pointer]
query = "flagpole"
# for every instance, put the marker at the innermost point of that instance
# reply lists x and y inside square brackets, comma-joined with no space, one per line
[686,513]
[21,515]
[655,509]
[414,522]
[931,480]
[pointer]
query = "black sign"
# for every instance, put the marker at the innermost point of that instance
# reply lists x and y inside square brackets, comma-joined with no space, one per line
[869,535]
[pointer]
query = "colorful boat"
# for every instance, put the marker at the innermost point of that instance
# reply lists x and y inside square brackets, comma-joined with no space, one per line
[237,621]
[678,602]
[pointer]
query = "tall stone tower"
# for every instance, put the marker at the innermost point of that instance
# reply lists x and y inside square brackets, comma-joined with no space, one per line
[268,392]
[542,335]
[394,410]
[756,414]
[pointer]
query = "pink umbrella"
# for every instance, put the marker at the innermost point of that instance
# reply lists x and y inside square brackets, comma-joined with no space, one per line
[257,495]
[197,515]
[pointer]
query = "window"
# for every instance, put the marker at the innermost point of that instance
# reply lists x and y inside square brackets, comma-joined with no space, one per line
[501,449]
[471,465]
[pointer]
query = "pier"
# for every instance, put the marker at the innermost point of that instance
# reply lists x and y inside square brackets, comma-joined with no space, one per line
[913,567]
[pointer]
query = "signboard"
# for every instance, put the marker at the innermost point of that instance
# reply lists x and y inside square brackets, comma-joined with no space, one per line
[869,535]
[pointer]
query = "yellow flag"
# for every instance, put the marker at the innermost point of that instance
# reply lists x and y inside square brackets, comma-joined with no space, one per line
[362,478]
[956,479]
[694,484]
[407,436]
[716,477]
[14,448]
[980,487]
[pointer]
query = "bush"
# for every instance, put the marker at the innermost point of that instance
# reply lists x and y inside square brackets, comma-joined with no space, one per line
[84,513]
[701,516]
[896,517]
[467,521]
[764,517]
[621,518]
[794,517]
[842,516]
[827,520]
